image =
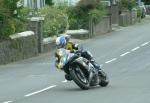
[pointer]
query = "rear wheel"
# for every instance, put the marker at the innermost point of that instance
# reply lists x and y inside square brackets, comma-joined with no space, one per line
[79,77]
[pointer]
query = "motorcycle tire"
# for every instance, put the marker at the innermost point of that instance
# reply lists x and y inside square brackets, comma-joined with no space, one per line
[104,80]
[78,81]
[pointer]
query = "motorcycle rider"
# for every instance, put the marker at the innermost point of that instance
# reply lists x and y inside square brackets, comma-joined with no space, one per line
[64,42]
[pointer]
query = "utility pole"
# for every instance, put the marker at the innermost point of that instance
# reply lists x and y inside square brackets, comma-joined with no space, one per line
[111,3]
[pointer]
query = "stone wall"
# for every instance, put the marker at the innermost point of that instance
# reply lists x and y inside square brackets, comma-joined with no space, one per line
[78,34]
[49,44]
[133,16]
[147,9]
[103,27]
[123,19]
[115,14]
[36,25]
[20,46]
[127,18]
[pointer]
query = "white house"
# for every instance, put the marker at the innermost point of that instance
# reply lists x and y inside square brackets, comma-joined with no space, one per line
[109,2]
[41,3]
[33,3]
[68,2]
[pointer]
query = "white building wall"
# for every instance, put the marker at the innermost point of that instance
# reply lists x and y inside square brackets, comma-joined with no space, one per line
[34,3]
[69,2]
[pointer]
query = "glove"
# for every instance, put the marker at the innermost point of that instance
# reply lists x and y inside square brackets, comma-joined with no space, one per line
[59,65]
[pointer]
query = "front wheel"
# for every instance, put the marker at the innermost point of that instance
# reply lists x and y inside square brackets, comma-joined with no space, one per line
[80,78]
[104,79]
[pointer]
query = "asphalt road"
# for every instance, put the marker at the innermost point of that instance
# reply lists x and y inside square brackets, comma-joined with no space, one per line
[123,53]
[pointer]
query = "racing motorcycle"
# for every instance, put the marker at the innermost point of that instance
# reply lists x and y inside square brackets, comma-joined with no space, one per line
[80,70]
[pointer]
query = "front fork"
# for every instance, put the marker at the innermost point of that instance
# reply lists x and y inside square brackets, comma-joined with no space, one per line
[93,75]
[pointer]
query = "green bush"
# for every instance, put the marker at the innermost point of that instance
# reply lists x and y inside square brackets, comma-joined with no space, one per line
[20,26]
[10,18]
[7,28]
[127,4]
[97,13]
[80,15]
[78,18]
[88,4]
[56,20]
[24,13]
[11,26]
[139,12]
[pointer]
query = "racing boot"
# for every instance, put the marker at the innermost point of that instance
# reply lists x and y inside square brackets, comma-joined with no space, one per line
[98,68]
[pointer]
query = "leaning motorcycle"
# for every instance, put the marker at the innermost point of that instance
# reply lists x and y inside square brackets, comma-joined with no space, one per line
[80,70]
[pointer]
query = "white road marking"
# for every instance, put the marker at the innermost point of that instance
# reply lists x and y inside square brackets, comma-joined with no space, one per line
[8,102]
[111,60]
[124,54]
[36,75]
[135,49]
[145,44]
[30,94]
[64,81]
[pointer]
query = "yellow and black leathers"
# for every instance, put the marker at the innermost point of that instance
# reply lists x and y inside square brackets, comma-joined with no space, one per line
[71,46]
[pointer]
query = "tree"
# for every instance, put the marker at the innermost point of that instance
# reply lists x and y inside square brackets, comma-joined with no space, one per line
[88,4]
[147,2]
[49,2]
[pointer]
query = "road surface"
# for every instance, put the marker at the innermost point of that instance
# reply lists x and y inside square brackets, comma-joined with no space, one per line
[124,54]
